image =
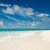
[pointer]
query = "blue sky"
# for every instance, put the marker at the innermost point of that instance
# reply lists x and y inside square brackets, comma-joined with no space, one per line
[38,5]
[26,14]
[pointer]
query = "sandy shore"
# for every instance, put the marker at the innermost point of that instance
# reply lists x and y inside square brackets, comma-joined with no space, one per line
[39,41]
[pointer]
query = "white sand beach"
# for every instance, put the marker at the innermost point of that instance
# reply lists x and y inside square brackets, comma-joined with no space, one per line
[27,41]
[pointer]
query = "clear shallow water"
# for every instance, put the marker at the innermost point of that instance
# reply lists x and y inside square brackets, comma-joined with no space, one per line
[16,33]
[7,34]
[45,35]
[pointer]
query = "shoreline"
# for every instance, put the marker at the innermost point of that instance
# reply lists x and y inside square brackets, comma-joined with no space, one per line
[21,34]
[15,34]
[38,40]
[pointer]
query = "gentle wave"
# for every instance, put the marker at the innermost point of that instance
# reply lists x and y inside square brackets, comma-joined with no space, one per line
[12,34]
[43,35]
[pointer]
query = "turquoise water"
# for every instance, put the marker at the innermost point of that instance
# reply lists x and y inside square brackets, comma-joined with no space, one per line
[9,34]
[22,29]
[15,32]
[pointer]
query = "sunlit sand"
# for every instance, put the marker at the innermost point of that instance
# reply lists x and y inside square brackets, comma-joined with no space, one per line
[28,40]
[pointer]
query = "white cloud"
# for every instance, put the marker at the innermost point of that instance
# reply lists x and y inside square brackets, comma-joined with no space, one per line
[33,24]
[43,15]
[23,11]
[27,12]
[1,23]
[15,9]
[6,5]
[8,11]
[19,10]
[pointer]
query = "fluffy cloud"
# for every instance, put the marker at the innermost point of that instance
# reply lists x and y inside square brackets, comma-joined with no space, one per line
[27,12]
[43,15]
[39,19]
[6,5]
[19,10]
[1,23]
[8,11]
